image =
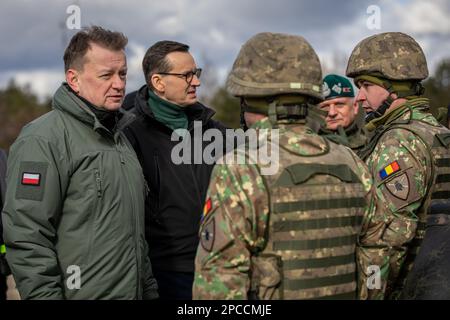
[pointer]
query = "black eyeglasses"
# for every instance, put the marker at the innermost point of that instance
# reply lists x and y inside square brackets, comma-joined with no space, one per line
[188,76]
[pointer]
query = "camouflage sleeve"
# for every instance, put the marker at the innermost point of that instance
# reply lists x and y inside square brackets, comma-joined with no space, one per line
[399,165]
[233,226]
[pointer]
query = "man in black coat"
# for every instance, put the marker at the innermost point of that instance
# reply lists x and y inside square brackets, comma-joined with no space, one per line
[177,188]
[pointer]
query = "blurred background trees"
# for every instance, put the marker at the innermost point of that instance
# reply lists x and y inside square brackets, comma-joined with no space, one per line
[18,106]
[437,89]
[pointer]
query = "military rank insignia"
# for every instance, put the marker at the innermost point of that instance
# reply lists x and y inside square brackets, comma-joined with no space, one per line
[389,170]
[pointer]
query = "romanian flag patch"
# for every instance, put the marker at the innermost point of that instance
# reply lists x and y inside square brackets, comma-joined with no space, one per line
[388,170]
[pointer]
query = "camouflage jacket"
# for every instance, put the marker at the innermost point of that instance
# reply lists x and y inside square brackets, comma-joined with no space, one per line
[243,222]
[400,160]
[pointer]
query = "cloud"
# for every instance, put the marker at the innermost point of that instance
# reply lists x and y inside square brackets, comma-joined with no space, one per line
[34,34]
[43,82]
[425,17]
[422,20]
[135,55]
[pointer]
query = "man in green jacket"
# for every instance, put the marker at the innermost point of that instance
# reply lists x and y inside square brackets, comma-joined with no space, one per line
[74,212]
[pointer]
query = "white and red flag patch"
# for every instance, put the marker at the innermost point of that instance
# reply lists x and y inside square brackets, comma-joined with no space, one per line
[32,179]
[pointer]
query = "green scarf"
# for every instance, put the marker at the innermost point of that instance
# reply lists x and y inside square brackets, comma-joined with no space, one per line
[169,114]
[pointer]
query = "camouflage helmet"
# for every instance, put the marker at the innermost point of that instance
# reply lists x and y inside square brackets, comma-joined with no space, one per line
[271,64]
[390,55]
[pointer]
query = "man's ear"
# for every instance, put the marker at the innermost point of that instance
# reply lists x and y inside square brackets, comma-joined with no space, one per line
[157,82]
[355,107]
[394,96]
[73,80]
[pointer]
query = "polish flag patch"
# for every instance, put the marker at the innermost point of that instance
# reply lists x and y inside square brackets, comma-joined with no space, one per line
[31,179]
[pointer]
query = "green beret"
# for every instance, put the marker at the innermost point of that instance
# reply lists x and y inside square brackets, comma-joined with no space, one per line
[335,86]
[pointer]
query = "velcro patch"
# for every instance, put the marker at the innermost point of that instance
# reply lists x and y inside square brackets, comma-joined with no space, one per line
[31,180]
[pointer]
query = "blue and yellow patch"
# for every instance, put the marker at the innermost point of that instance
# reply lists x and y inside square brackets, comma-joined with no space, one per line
[389,170]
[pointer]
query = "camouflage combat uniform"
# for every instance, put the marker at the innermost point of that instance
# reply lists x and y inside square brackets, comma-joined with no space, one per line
[408,158]
[291,234]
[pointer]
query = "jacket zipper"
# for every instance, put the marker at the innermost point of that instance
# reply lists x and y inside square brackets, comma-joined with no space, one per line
[98,182]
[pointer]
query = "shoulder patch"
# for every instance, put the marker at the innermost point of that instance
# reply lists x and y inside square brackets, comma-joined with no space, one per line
[399,186]
[207,235]
[398,182]
[31,180]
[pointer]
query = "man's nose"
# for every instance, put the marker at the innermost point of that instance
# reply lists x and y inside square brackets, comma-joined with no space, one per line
[361,96]
[195,81]
[119,82]
[332,111]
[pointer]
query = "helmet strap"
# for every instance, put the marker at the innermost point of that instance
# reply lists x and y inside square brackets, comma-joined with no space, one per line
[380,111]
[242,119]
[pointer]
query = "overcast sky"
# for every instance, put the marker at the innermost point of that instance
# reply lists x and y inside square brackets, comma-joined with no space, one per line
[34,34]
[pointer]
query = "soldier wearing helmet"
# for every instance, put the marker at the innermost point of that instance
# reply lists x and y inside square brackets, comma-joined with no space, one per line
[290,234]
[407,155]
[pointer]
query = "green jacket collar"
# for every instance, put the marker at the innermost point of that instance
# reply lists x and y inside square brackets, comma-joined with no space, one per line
[67,101]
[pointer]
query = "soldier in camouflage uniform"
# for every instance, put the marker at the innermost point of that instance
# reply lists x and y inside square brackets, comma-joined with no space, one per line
[291,234]
[344,119]
[408,157]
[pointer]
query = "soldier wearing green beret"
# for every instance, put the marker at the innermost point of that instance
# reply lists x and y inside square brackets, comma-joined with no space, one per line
[344,119]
